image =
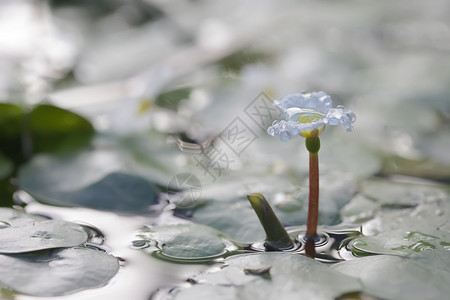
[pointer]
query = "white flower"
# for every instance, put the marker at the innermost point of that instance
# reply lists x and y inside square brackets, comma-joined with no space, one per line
[307,114]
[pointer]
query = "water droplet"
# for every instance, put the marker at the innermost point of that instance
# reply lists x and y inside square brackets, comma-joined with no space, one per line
[4,225]
[417,247]
[140,244]
[419,236]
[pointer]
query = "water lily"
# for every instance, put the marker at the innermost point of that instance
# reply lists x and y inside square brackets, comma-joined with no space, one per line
[307,114]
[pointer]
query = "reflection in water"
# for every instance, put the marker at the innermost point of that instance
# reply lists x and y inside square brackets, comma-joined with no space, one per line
[4,225]
[330,246]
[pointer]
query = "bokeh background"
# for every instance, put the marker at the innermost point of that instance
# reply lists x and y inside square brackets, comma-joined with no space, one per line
[155,81]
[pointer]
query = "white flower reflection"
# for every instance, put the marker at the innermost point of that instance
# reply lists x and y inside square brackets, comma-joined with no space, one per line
[307,114]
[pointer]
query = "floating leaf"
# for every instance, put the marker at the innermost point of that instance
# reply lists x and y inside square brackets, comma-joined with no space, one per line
[439,258]
[50,128]
[116,192]
[393,277]
[87,179]
[407,231]
[10,120]
[239,222]
[11,124]
[427,169]
[172,98]
[39,235]
[399,194]
[360,208]
[13,217]
[6,166]
[53,128]
[187,241]
[56,272]
[292,276]
[401,242]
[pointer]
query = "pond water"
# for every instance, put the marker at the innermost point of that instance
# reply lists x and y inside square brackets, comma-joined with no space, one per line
[132,132]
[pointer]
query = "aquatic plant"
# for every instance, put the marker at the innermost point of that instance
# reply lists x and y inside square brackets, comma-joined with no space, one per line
[306,115]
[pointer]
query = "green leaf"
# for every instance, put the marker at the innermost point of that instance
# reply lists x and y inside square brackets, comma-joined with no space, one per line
[393,277]
[186,241]
[57,272]
[39,235]
[276,235]
[11,127]
[12,217]
[239,222]
[10,120]
[292,276]
[6,167]
[49,128]
[422,229]
[172,98]
[53,128]
[116,192]
[399,194]
[87,179]
[401,242]
[428,169]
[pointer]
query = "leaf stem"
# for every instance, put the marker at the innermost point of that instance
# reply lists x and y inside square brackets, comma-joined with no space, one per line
[276,235]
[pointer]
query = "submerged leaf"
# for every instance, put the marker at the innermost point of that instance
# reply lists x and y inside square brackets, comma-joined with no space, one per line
[57,272]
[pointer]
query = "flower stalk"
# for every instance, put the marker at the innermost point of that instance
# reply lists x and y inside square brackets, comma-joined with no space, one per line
[313,205]
[313,146]
[306,115]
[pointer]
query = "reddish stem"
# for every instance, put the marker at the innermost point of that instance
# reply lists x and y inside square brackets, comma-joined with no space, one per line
[313,207]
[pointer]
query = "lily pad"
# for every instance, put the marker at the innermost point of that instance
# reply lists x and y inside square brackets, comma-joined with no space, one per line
[402,242]
[286,276]
[407,231]
[53,128]
[400,194]
[12,217]
[50,128]
[39,235]
[6,166]
[360,208]
[11,123]
[239,222]
[56,272]
[393,277]
[116,192]
[87,179]
[429,169]
[186,242]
